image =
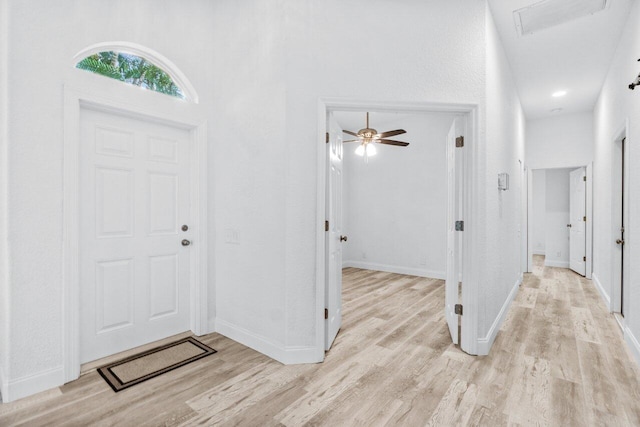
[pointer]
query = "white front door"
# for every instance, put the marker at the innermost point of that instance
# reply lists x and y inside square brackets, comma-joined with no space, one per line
[334,238]
[453,212]
[134,201]
[577,218]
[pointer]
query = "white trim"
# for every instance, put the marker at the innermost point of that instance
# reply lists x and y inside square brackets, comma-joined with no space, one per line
[557,264]
[589,222]
[32,384]
[114,97]
[152,56]
[605,296]
[620,133]
[4,386]
[287,355]
[471,203]
[633,343]
[396,269]
[484,344]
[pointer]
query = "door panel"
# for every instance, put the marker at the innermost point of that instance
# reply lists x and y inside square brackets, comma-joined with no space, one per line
[134,196]
[453,269]
[333,296]
[577,212]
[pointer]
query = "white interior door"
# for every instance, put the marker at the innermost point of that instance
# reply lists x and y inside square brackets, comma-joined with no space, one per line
[134,201]
[577,215]
[453,269]
[333,295]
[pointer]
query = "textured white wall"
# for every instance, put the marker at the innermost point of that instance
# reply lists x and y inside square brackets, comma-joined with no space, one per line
[538,235]
[500,255]
[557,217]
[417,56]
[395,208]
[4,178]
[617,103]
[45,35]
[259,67]
[560,141]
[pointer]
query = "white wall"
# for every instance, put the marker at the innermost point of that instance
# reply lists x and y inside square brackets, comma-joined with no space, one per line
[616,104]
[560,141]
[557,217]
[259,68]
[46,36]
[423,61]
[396,205]
[539,212]
[500,216]
[4,174]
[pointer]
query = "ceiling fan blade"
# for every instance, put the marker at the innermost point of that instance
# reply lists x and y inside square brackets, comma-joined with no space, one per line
[350,133]
[392,142]
[391,133]
[352,140]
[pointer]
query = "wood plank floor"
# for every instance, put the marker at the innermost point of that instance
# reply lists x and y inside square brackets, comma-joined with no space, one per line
[559,360]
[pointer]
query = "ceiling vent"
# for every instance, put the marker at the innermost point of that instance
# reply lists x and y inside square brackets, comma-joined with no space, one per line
[550,13]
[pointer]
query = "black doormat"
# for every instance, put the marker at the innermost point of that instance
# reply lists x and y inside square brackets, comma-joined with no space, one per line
[151,363]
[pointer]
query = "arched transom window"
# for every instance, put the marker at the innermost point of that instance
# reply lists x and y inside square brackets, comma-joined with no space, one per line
[131,69]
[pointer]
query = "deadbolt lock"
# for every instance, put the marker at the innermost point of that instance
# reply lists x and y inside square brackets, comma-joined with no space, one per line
[343,238]
[185,227]
[186,242]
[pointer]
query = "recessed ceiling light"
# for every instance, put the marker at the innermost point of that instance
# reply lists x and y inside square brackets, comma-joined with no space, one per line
[559,93]
[556,110]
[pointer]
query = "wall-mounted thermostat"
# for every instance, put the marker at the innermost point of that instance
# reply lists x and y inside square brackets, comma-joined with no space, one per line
[503,181]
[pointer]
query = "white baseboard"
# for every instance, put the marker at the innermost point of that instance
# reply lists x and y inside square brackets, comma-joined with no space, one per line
[395,269]
[32,384]
[484,344]
[633,343]
[605,296]
[287,355]
[3,386]
[211,325]
[559,264]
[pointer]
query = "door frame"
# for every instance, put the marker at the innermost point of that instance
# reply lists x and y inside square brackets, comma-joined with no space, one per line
[469,336]
[614,303]
[99,93]
[589,212]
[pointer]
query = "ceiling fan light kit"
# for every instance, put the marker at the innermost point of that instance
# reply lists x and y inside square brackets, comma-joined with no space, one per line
[367,136]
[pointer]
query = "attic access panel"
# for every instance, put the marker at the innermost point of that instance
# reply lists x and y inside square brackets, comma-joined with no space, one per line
[551,13]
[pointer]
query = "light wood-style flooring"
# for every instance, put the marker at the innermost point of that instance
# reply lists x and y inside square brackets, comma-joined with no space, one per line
[559,360]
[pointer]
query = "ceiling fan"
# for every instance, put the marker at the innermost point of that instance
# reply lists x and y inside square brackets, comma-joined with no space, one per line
[368,135]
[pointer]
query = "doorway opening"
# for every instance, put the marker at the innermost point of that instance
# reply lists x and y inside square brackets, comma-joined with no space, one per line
[560,218]
[379,213]
[620,225]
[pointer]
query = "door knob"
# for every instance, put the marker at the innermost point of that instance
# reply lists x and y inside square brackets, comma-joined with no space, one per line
[620,242]
[569,225]
[186,242]
[343,238]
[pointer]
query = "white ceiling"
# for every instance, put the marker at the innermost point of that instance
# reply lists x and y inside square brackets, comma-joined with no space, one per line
[574,56]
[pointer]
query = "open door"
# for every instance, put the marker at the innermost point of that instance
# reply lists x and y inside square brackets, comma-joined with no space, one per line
[453,215]
[334,237]
[578,218]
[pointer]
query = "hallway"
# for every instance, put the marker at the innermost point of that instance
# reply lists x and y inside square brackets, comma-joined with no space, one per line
[558,360]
